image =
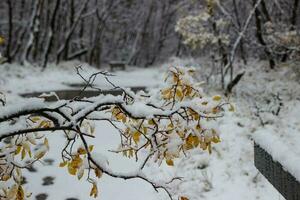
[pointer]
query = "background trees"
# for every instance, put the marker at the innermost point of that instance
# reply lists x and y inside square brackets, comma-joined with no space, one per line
[139,32]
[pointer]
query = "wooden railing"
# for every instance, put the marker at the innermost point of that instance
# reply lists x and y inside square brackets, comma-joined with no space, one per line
[281,179]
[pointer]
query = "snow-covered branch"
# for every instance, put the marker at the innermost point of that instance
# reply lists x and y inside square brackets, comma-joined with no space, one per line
[165,122]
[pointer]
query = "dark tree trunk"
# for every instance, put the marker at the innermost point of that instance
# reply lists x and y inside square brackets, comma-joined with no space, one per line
[50,35]
[10,29]
[259,36]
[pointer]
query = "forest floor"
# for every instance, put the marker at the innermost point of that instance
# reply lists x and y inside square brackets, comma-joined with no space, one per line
[227,174]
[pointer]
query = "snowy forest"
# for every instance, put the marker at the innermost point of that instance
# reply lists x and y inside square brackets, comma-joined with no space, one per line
[150,99]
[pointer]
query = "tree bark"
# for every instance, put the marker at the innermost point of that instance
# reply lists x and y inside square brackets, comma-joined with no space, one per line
[62,48]
[32,30]
[260,38]
[50,35]
[10,29]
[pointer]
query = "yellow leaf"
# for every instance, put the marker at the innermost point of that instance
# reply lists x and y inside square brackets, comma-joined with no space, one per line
[27,148]
[184,198]
[20,193]
[18,170]
[231,108]
[136,136]
[204,103]
[71,169]
[151,122]
[167,94]
[81,151]
[209,148]
[203,145]
[121,117]
[23,154]
[94,191]
[5,177]
[91,147]
[44,124]
[35,119]
[63,164]
[46,143]
[98,173]
[39,155]
[29,153]
[192,142]
[171,126]
[130,153]
[216,139]
[194,114]
[215,110]
[76,162]
[176,78]
[179,93]
[12,192]
[198,127]
[145,130]
[217,98]
[18,150]
[170,162]
[80,173]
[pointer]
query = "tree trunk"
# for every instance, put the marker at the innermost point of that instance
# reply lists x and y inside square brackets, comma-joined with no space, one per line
[242,51]
[62,48]
[32,30]
[50,35]
[260,38]
[10,29]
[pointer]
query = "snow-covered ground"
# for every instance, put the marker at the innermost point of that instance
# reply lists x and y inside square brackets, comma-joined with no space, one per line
[19,79]
[227,174]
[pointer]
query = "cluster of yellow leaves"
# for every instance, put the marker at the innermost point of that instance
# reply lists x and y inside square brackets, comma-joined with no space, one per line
[16,192]
[129,152]
[179,88]
[192,141]
[77,167]
[94,191]
[203,142]
[21,148]
[118,114]
[39,122]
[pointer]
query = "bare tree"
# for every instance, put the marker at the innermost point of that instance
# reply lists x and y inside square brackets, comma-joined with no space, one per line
[70,32]
[50,35]
[33,29]
[10,30]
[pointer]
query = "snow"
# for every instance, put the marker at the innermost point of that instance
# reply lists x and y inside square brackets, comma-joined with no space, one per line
[32,104]
[282,139]
[21,79]
[227,174]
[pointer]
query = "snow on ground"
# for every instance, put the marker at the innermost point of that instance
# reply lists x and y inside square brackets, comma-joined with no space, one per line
[227,174]
[20,79]
[281,139]
[67,186]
